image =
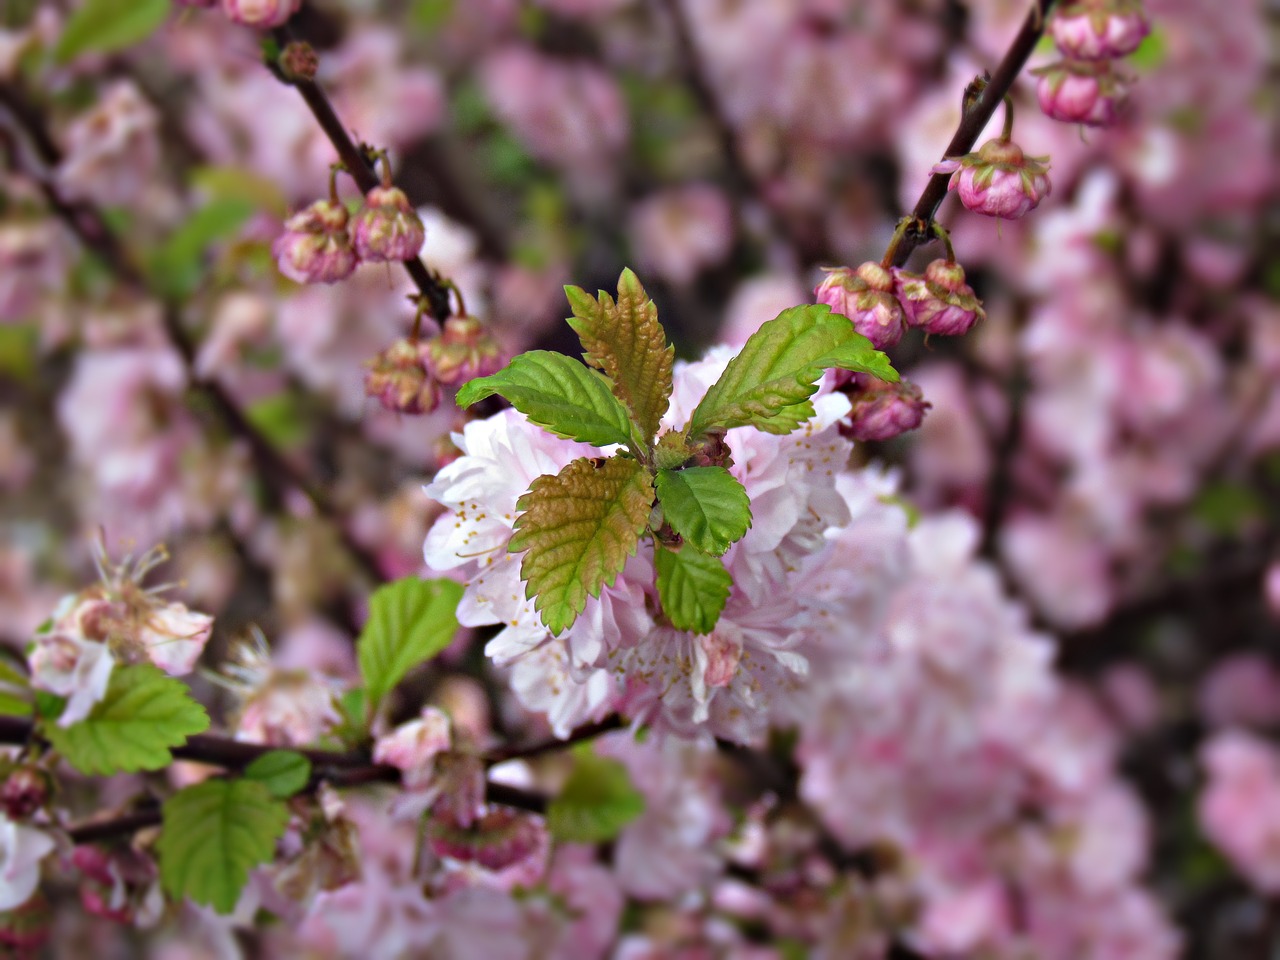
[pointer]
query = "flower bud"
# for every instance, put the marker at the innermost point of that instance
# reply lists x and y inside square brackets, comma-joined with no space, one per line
[25,791]
[387,228]
[260,13]
[1080,91]
[463,351]
[315,246]
[298,61]
[882,410]
[866,297]
[1099,29]
[999,180]
[939,301]
[399,381]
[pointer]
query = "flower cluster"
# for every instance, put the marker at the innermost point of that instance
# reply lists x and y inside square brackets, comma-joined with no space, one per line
[1085,87]
[117,621]
[325,244]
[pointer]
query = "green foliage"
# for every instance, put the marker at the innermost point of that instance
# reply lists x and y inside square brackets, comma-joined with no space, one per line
[282,772]
[579,527]
[705,505]
[230,184]
[693,588]
[768,384]
[625,340]
[279,417]
[15,692]
[213,834]
[143,715]
[410,621]
[597,800]
[177,267]
[559,394]
[103,26]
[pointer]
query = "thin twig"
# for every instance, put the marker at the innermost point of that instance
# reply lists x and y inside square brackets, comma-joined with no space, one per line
[275,470]
[972,122]
[586,732]
[357,165]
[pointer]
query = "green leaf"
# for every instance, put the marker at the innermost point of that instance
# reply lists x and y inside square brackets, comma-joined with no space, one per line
[579,527]
[559,394]
[143,714]
[596,802]
[240,184]
[625,340]
[768,384]
[282,772]
[410,621]
[705,505]
[177,266]
[102,26]
[213,834]
[693,588]
[279,417]
[15,706]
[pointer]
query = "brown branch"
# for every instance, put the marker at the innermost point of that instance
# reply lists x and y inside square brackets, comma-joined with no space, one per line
[276,471]
[972,122]
[339,769]
[356,162]
[586,732]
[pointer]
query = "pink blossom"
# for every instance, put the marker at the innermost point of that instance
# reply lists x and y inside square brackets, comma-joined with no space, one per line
[262,14]
[412,747]
[1076,91]
[466,349]
[881,410]
[315,246]
[71,667]
[681,231]
[22,848]
[1240,807]
[386,228]
[1099,29]
[866,296]
[999,180]
[1242,689]
[939,302]
[112,150]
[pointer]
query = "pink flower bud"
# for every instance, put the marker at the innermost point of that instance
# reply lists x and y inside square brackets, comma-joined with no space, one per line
[1099,29]
[463,351]
[866,297]
[315,246]
[400,382]
[1080,91]
[260,13]
[881,410]
[387,228]
[999,180]
[939,302]
[25,791]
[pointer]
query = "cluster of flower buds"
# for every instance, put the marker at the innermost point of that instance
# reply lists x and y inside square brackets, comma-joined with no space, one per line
[408,376]
[1084,87]
[325,244]
[998,180]
[881,302]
